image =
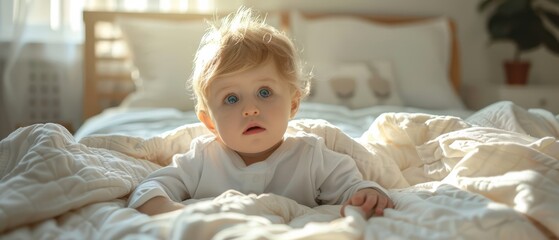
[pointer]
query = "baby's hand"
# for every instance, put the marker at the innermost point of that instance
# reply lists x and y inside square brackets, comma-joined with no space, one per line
[371,202]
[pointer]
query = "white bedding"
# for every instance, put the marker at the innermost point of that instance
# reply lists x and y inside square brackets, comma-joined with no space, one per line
[449,178]
[148,122]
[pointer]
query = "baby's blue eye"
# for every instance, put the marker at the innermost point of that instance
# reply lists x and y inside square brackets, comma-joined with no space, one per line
[231,99]
[264,92]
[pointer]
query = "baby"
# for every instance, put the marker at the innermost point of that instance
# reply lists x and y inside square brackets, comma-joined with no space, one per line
[248,83]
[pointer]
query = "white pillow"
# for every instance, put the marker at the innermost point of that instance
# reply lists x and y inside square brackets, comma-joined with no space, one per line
[163,53]
[419,52]
[354,84]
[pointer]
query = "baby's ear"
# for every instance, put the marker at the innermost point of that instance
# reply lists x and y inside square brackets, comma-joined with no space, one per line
[206,120]
[295,101]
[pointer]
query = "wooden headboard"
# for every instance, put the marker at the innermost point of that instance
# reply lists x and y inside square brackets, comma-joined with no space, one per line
[107,66]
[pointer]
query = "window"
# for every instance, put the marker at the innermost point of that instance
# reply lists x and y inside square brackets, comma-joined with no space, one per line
[42,20]
[61,20]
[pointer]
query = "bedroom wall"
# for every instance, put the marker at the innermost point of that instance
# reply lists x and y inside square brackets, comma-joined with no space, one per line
[481,62]
[4,127]
[45,86]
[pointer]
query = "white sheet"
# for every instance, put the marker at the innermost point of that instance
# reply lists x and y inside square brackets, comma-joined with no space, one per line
[454,180]
[148,122]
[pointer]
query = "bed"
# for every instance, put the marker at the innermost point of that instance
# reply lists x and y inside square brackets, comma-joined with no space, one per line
[452,172]
[143,69]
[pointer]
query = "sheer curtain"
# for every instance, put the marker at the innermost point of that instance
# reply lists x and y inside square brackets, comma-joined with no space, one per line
[41,78]
[41,54]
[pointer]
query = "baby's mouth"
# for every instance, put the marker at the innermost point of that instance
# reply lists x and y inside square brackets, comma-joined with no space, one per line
[253,130]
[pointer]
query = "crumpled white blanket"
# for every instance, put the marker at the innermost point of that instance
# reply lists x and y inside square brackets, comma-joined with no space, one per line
[448,178]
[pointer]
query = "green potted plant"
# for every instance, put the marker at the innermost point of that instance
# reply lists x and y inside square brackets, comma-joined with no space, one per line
[529,24]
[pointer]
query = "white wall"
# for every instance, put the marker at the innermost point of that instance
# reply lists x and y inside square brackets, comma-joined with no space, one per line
[480,61]
[5,129]
[57,95]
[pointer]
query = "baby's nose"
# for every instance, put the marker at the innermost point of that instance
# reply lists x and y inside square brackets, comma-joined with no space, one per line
[251,111]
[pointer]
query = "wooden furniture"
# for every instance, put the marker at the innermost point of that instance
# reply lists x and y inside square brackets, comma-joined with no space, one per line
[527,96]
[107,67]
[531,96]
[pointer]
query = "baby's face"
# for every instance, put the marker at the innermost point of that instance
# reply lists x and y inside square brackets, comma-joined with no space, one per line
[250,110]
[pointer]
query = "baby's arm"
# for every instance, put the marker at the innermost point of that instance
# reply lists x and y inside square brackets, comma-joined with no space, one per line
[371,202]
[164,189]
[159,205]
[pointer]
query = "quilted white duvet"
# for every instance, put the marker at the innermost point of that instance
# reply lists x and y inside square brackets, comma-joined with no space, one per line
[492,176]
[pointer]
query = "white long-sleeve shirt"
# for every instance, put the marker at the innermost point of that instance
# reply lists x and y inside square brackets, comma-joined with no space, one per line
[302,169]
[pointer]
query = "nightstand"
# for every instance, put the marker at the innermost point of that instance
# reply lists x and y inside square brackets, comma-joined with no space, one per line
[536,96]
[526,96]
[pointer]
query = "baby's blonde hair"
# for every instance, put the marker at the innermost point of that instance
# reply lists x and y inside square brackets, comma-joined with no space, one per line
[240,42]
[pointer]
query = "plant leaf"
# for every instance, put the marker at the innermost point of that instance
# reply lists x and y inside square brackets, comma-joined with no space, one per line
[554,1]
[552,17]
[484,4]
[500,27]
[550,41]
[529,31]
[527,26]
[523,29]
[512,7]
